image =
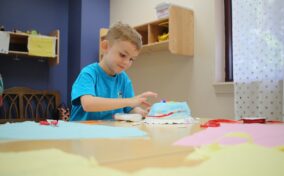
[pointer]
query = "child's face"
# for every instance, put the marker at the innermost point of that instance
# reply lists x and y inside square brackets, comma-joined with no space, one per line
[119,56]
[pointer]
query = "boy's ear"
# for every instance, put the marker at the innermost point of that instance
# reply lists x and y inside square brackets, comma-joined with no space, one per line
[104,45]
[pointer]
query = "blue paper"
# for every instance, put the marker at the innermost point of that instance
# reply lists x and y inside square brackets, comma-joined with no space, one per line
[64,130]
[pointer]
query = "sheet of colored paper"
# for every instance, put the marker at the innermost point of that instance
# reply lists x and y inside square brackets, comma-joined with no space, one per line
[269,135]
[64,130]
[50,162]
[236,160]
[41,45]
[244,159]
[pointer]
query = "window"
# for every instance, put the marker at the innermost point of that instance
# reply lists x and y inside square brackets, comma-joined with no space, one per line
[228,41]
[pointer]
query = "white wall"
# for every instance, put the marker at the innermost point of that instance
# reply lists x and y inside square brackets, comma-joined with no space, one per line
[180,78]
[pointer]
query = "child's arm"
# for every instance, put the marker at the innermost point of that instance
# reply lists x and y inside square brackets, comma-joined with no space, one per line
[96,104]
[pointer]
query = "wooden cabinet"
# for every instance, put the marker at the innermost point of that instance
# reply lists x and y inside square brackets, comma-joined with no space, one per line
[180,29]
[18,46]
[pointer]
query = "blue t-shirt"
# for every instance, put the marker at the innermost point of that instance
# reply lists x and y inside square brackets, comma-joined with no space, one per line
[93,80]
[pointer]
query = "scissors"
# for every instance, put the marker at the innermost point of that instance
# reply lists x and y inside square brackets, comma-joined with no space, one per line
[51,123]
[217,122]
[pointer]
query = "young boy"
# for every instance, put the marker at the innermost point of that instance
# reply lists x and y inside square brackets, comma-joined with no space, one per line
[103,89]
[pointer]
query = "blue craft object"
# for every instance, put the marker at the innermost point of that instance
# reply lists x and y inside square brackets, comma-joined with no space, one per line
[170,109]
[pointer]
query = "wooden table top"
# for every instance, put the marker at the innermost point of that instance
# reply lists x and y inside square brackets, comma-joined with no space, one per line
[127,154]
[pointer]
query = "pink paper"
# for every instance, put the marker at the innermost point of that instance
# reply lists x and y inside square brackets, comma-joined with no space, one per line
[269,135]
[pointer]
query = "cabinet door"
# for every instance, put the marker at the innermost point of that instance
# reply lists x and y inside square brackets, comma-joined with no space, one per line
[181,31]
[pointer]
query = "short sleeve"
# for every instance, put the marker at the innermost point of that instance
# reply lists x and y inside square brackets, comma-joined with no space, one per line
[128,93]
[84,85]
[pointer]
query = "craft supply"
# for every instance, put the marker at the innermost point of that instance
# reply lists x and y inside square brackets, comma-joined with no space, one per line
[128,117]
[51,123]
[268,135]
[254,119]
[169,112]
[216,122]
[29,130]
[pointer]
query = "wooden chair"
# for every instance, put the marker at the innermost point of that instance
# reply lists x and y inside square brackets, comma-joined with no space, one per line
[25,104]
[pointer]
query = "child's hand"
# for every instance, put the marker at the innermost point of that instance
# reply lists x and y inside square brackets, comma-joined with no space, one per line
[139,110]
[142,99]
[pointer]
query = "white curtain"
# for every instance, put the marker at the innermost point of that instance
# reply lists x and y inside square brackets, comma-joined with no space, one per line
[258,52]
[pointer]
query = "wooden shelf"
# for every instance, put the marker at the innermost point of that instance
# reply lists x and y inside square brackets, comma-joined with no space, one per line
[18,52]
[180,29]
[55,61]
[157,46]
[18,46]
[26,54]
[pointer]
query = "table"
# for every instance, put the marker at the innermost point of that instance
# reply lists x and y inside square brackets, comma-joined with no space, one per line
[127,154]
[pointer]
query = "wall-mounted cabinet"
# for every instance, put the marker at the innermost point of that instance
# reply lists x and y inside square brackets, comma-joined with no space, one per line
[176,33]
[19,46]
[179,27]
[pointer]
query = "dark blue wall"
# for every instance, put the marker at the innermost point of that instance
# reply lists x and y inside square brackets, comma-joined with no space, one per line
[78,21]
[44,16]
[74,36]
[86,17]
[95,15]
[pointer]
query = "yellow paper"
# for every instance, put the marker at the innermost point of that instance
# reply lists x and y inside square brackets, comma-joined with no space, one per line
[238,160]
[41,46]
[50,162]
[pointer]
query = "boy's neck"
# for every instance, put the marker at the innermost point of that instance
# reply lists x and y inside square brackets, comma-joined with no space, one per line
[105,68]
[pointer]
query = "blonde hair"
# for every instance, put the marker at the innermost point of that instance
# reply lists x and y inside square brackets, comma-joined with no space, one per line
[124,32]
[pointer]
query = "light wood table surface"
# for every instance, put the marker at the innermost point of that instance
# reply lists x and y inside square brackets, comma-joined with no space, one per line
[126,154]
